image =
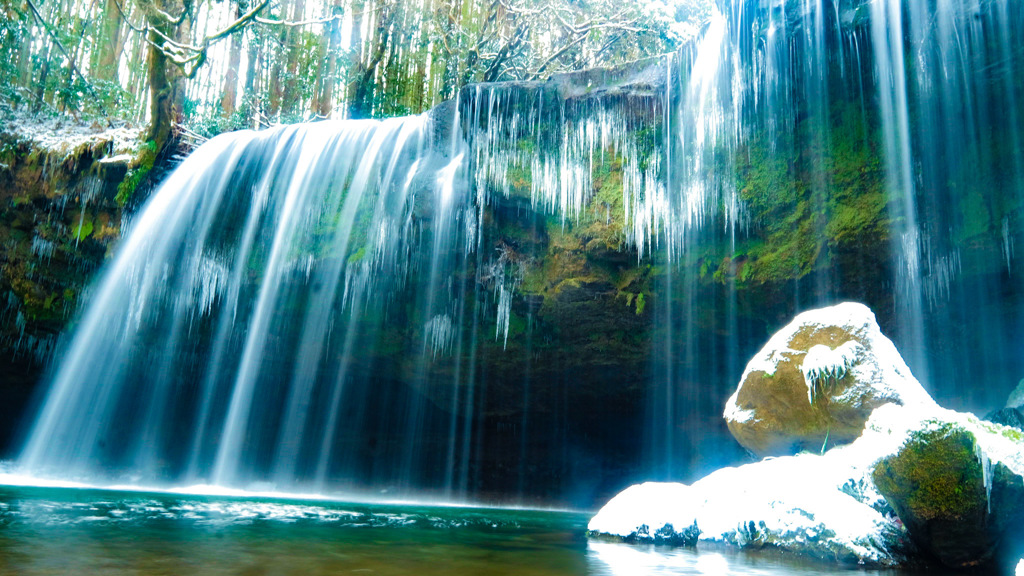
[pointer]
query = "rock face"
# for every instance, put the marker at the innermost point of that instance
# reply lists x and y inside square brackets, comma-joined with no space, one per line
[956,503]
[60,214]
[1011,417]
[816,382]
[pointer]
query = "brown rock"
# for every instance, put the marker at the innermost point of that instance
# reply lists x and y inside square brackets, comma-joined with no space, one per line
[816,382]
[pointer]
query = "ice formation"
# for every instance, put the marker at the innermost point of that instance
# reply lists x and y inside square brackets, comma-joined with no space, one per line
[823,362]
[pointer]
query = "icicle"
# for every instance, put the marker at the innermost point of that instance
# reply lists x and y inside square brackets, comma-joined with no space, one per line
[986,475]
[504,313]
[823,362]
[440,334]
[1007,244]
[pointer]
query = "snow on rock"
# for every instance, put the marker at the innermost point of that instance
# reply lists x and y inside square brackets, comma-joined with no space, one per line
[822,505]
[823,362]
[652,504]
[796,503]
[816,382]
[956,484]
[62,140]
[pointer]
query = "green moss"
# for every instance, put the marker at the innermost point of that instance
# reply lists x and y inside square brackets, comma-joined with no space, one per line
[141,167]
[516,325]
[809,199]
[1004,431]
[83,228]
[358,255]
[935,475]
[640,303]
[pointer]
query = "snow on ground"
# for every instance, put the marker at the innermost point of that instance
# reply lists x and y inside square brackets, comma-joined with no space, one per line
[59,137]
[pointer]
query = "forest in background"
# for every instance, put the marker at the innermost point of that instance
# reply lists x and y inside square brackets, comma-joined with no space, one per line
[218,65]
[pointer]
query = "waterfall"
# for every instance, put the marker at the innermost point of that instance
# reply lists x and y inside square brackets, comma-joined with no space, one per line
[922,99]
[541,284]
[243,308]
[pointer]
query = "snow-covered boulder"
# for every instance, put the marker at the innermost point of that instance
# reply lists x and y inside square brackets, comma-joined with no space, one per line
[826,506]
[816,382]
[823,506]
[957,485]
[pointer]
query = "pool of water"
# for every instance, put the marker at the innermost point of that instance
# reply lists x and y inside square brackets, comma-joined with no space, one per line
[57,531]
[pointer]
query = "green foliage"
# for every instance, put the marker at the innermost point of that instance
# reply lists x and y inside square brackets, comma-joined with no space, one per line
[212,122]
[84,228]
[14,26]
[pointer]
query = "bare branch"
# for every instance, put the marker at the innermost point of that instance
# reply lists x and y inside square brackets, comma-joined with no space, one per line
[56,41]
[236,25]
[302,23]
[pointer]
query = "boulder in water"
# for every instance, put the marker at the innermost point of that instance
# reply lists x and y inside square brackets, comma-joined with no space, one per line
[921,482]
[918,482]
[816,382]
[956,502]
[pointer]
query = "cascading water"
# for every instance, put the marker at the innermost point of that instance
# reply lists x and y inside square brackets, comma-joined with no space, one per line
[242,312]
[497,298]
[839,110]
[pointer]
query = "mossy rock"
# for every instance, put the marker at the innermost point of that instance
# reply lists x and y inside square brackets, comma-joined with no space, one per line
[816,382]
[955,504]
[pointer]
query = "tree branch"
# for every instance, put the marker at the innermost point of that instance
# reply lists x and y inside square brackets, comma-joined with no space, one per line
[302,23]
[53,36]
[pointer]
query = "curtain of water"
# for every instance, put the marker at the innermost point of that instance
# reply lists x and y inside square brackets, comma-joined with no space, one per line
[363,304]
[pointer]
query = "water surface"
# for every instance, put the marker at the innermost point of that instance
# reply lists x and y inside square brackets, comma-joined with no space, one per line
[50,531]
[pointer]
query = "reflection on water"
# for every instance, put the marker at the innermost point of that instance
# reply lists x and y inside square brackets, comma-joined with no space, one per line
[614,559]
[50,531]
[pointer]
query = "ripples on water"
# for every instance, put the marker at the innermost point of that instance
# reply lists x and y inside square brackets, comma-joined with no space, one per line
[49,531]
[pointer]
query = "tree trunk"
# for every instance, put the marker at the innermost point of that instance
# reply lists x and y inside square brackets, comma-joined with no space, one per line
[328,68]
[41,93]
[356,58]
[229,99]
[25,56]
[257,51]
[110,43]
[164,86]
[277,80]
[365,73]
[291,95]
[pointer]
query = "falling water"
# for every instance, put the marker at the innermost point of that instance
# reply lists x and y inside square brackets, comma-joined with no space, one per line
[550,289]
[247,300]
